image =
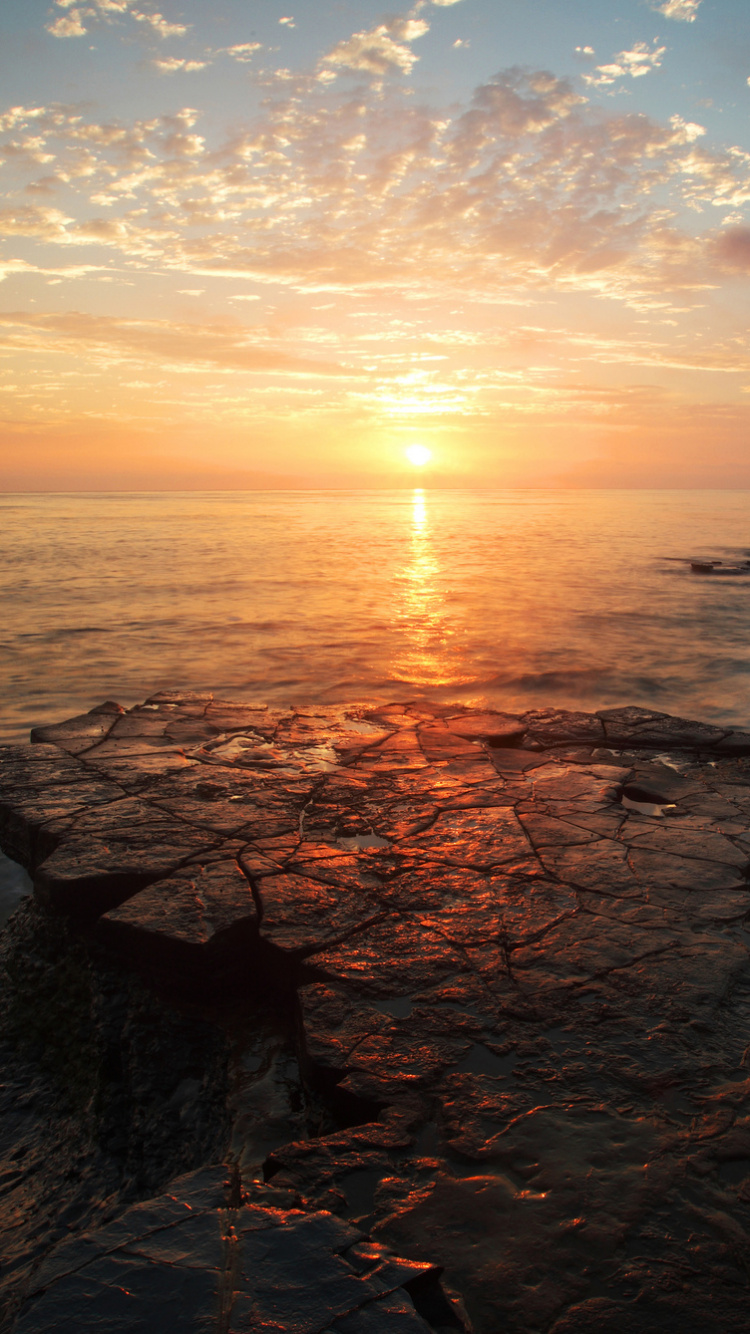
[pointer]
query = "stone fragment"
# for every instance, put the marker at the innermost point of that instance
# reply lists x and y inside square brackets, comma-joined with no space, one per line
[440,743]
[736,743]
[655,868]
[400,751]
[230,801]
[301,916]
[142,723]
[497,729]
[104,858]
[30,814]
[81,733]
[605,868]
[391,958]
[480,838]
[681,842]
[186,1261]
[40,765]
[647,728]
[544,829]
[202,916]
[556,727]
[509,760]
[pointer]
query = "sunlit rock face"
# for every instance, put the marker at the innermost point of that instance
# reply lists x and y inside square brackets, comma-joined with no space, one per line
[517,956]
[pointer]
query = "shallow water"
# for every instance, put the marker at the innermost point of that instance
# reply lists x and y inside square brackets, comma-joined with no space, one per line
[514,599]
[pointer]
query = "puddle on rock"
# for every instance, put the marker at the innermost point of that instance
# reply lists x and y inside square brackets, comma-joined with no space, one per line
[363,843]
[399,1008]
[482,1061]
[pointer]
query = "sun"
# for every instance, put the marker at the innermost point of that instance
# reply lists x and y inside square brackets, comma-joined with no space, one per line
[418,455]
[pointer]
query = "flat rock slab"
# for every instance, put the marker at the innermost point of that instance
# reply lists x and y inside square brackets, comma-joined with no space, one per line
[525,998]
[193,1261]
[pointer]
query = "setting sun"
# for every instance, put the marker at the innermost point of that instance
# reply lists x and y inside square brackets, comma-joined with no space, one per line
[418,455]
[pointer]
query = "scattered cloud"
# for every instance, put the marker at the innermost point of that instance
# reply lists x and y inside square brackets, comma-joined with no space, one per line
[529,187]
[174,65]
[242,51]
[14,267]
[70,25]
[633,64]
[73,23]
[159,24]
[683,10]
[225,345]
[380,49]
[288,21]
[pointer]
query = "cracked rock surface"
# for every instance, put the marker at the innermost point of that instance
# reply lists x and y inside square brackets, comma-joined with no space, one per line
[517,955]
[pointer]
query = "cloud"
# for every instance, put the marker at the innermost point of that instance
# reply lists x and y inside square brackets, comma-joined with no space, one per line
[243,51]
[31,220]
[226,345]
[12,267]
[634,64]
[683,10]
[381,49]
[159,24]
[72,24]
[174,65]
[528,187]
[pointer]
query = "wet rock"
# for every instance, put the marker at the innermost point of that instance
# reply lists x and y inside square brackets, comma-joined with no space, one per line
[554,727]
[202,917]
[105,856]
[480,838]
[497,729]
[81,733]
[647,728]
[395,957]
[736,743]
[300,915]
[521,975]
[183,1260]
[509,759]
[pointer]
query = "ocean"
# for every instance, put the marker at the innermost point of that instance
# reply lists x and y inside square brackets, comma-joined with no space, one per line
[511,599]
[508,599]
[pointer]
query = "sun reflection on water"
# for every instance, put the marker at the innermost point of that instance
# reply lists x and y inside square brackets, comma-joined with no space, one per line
[430,651]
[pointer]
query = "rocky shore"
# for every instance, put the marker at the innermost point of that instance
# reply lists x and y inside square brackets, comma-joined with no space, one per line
[372,1020]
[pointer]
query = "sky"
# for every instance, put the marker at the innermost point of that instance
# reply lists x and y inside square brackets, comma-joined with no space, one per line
[282,242]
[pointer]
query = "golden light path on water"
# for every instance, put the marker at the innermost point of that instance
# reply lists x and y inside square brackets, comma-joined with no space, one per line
[431,652]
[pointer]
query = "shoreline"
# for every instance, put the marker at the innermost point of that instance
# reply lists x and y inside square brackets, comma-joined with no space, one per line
[448,968]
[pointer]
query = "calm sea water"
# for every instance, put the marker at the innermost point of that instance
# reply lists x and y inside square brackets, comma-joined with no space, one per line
[513,599]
